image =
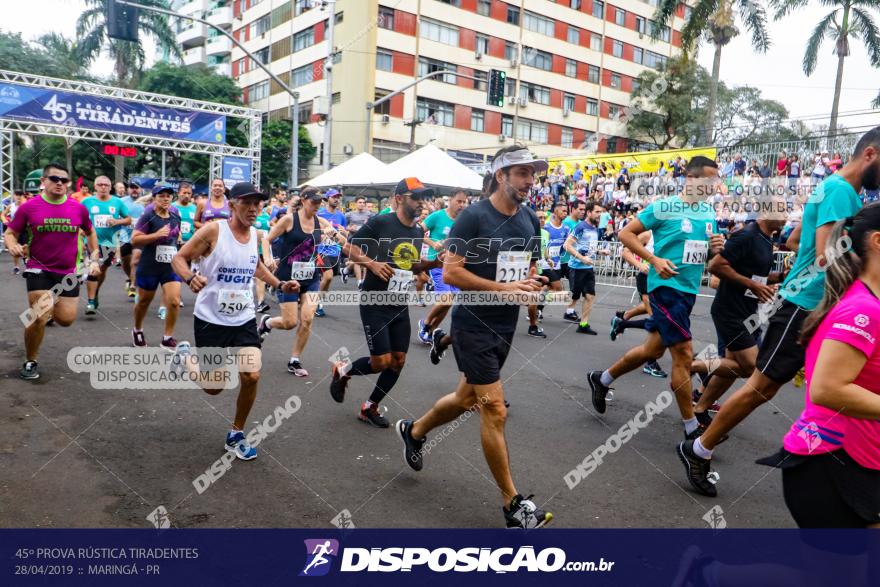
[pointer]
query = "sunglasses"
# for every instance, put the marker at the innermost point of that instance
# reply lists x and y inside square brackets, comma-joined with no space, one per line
[56,179]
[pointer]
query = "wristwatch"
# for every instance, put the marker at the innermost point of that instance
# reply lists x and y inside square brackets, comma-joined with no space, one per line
[189,279]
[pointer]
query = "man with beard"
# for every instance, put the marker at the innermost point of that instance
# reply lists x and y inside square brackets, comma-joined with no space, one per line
[781,355]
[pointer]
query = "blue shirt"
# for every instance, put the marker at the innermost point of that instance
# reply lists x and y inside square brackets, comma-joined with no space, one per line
[585,235]
[556,241]
[134,211]
[337,219]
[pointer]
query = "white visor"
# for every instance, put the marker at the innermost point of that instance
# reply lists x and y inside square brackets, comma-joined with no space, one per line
[521,157]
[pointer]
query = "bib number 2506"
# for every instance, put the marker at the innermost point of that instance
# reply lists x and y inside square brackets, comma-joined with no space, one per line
[512,266]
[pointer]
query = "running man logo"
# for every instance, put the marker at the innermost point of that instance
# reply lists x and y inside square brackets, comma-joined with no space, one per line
[404,255]
[715,518]
[319,554]
[810,435]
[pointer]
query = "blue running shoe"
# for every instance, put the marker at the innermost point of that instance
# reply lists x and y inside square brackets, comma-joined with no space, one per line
[163,311]
[424,334]
[615,325]
[320,311]
[237,443]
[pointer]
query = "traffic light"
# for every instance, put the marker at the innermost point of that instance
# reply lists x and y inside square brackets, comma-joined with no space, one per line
[122,21]
[495,93]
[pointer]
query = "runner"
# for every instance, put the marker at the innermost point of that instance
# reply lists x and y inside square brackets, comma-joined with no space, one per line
[830,458]
[354,220]
[557,232]
[6,217]
[129,255]
[576,214]
[157,234]
[299,235]
[482,334]
[186,209]
[781,355]
[547,267]
[684,236]
[623,320]
[53,222]
[438,224]
[265,248]
[329,252]
[108,214]
[224,309]
[214,208]
[743,268]
[388,246]
[584,238]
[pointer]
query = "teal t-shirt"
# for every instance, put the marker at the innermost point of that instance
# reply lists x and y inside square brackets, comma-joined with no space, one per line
[438,224]
[262,223]
[834,199]
[102,211]
[681,234]
[564,256]
[187,220]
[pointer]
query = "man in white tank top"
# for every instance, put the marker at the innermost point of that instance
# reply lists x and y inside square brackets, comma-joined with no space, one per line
[224,309]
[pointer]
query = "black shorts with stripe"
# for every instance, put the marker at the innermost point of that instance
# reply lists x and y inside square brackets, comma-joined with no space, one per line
[781,355]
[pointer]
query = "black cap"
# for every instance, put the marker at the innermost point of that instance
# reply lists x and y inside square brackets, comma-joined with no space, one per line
[244,190]
[412,185]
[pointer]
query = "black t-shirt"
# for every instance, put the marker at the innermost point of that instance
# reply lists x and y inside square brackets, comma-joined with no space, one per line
[480,232]
[385,239]
[750,252]
[155,260]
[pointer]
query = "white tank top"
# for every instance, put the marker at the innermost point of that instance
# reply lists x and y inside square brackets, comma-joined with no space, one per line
[228,299]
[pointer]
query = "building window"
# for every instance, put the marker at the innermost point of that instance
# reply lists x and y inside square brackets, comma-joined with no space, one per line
[456,3]
[510,86]
[638,55]
[427,66]
[640,24]
[592,107]
[302,76]
[301,6]
[482,44]
[384,60]
[537,59]
[261,25]
[478,120]
[571,68]
[304,114]
[664,34]
[615,81]
[613,111]
[576,4]
[384,107]
[262,55]
[512,15]
[654,60]
[595,41]
[567,138]
[386,18]
[635,85]
[568,102]
[304,39]
[619,17]
[484,7]
[593,74]
[510,51]
[442,113]
[482,81]
[574,35]
[611,144]
[535,93]
[507,125]
[437,31]
[598,9]
[617,48]
[531,130]
[539,24]
[258,91]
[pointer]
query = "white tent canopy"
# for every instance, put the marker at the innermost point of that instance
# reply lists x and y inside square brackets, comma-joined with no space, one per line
[434,168]
[361,170]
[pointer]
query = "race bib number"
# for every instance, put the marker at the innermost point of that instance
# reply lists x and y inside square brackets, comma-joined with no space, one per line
[554,251]
[302,271]
[164,253]
[231,302]
[757,279]
[185,227]
[543,265]
[425,249]
[102,220]
[401,281]
[695,252]
[512,266]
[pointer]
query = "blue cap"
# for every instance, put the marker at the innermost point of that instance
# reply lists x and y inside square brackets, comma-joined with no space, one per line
[162,187]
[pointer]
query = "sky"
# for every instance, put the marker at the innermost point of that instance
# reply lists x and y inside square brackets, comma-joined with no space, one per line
[778,73]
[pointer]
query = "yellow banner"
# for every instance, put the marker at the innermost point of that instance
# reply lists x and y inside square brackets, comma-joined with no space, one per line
[638,162]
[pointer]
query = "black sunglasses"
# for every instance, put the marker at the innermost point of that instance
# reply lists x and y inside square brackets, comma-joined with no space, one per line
[56,179]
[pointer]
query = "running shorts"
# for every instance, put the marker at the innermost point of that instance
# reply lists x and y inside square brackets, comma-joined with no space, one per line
[552,275]
[441,286]
[480,355]
[151,282]
[46,280]
[125,249]
[209,335]
[733,334]
[563,270]
[582,282]
[328,263]
[781,355]
[642,283]
[304,286]
[387,328]
[670,314]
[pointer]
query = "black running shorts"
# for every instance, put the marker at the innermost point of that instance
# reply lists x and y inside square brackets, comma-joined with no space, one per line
[46,280]
[387,329]
[208,334]
[480,355]
[582,282]
[781,356]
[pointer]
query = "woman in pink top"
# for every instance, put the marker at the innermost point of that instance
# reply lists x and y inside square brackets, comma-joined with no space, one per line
[831,454]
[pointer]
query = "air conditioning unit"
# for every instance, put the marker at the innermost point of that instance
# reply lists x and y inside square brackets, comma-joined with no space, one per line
[347,149]
[386,119]
[513,62]
[511,100]
[565,112]
[501,138]
[523,101]
[478,55]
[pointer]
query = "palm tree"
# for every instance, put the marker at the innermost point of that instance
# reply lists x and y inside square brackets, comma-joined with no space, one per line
[64,54]
[849,19]
[129,57]
[716,20]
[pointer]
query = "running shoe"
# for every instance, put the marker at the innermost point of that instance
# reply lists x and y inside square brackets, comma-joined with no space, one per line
[437,348]
[168,343]
[412,447]
[697,469]
[424,333]
[371,415]
[540,315]
[181,355]
[320,311]
[132,292]
[162,312]
[338,383]
[262,308]
[703,418]
[119,263]
[16,271]
[297,369]
[701,428]
[343,273]
[615,328]
[91,309]
[238,444]
[600,391]
[263,329]
[571,317]
[653,369]
[523,513]
[585,329]
[536,331]
[696,395]
[138,338]
[29,370]
[620,314]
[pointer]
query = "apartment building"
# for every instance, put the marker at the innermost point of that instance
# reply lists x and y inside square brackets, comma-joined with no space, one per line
[201,43]
[571,65]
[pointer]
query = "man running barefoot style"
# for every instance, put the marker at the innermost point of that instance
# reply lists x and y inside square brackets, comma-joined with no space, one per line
[493,247]
[781,354]
[224,315]
[684,238]
[108,214]
[53,222]
[388,245]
